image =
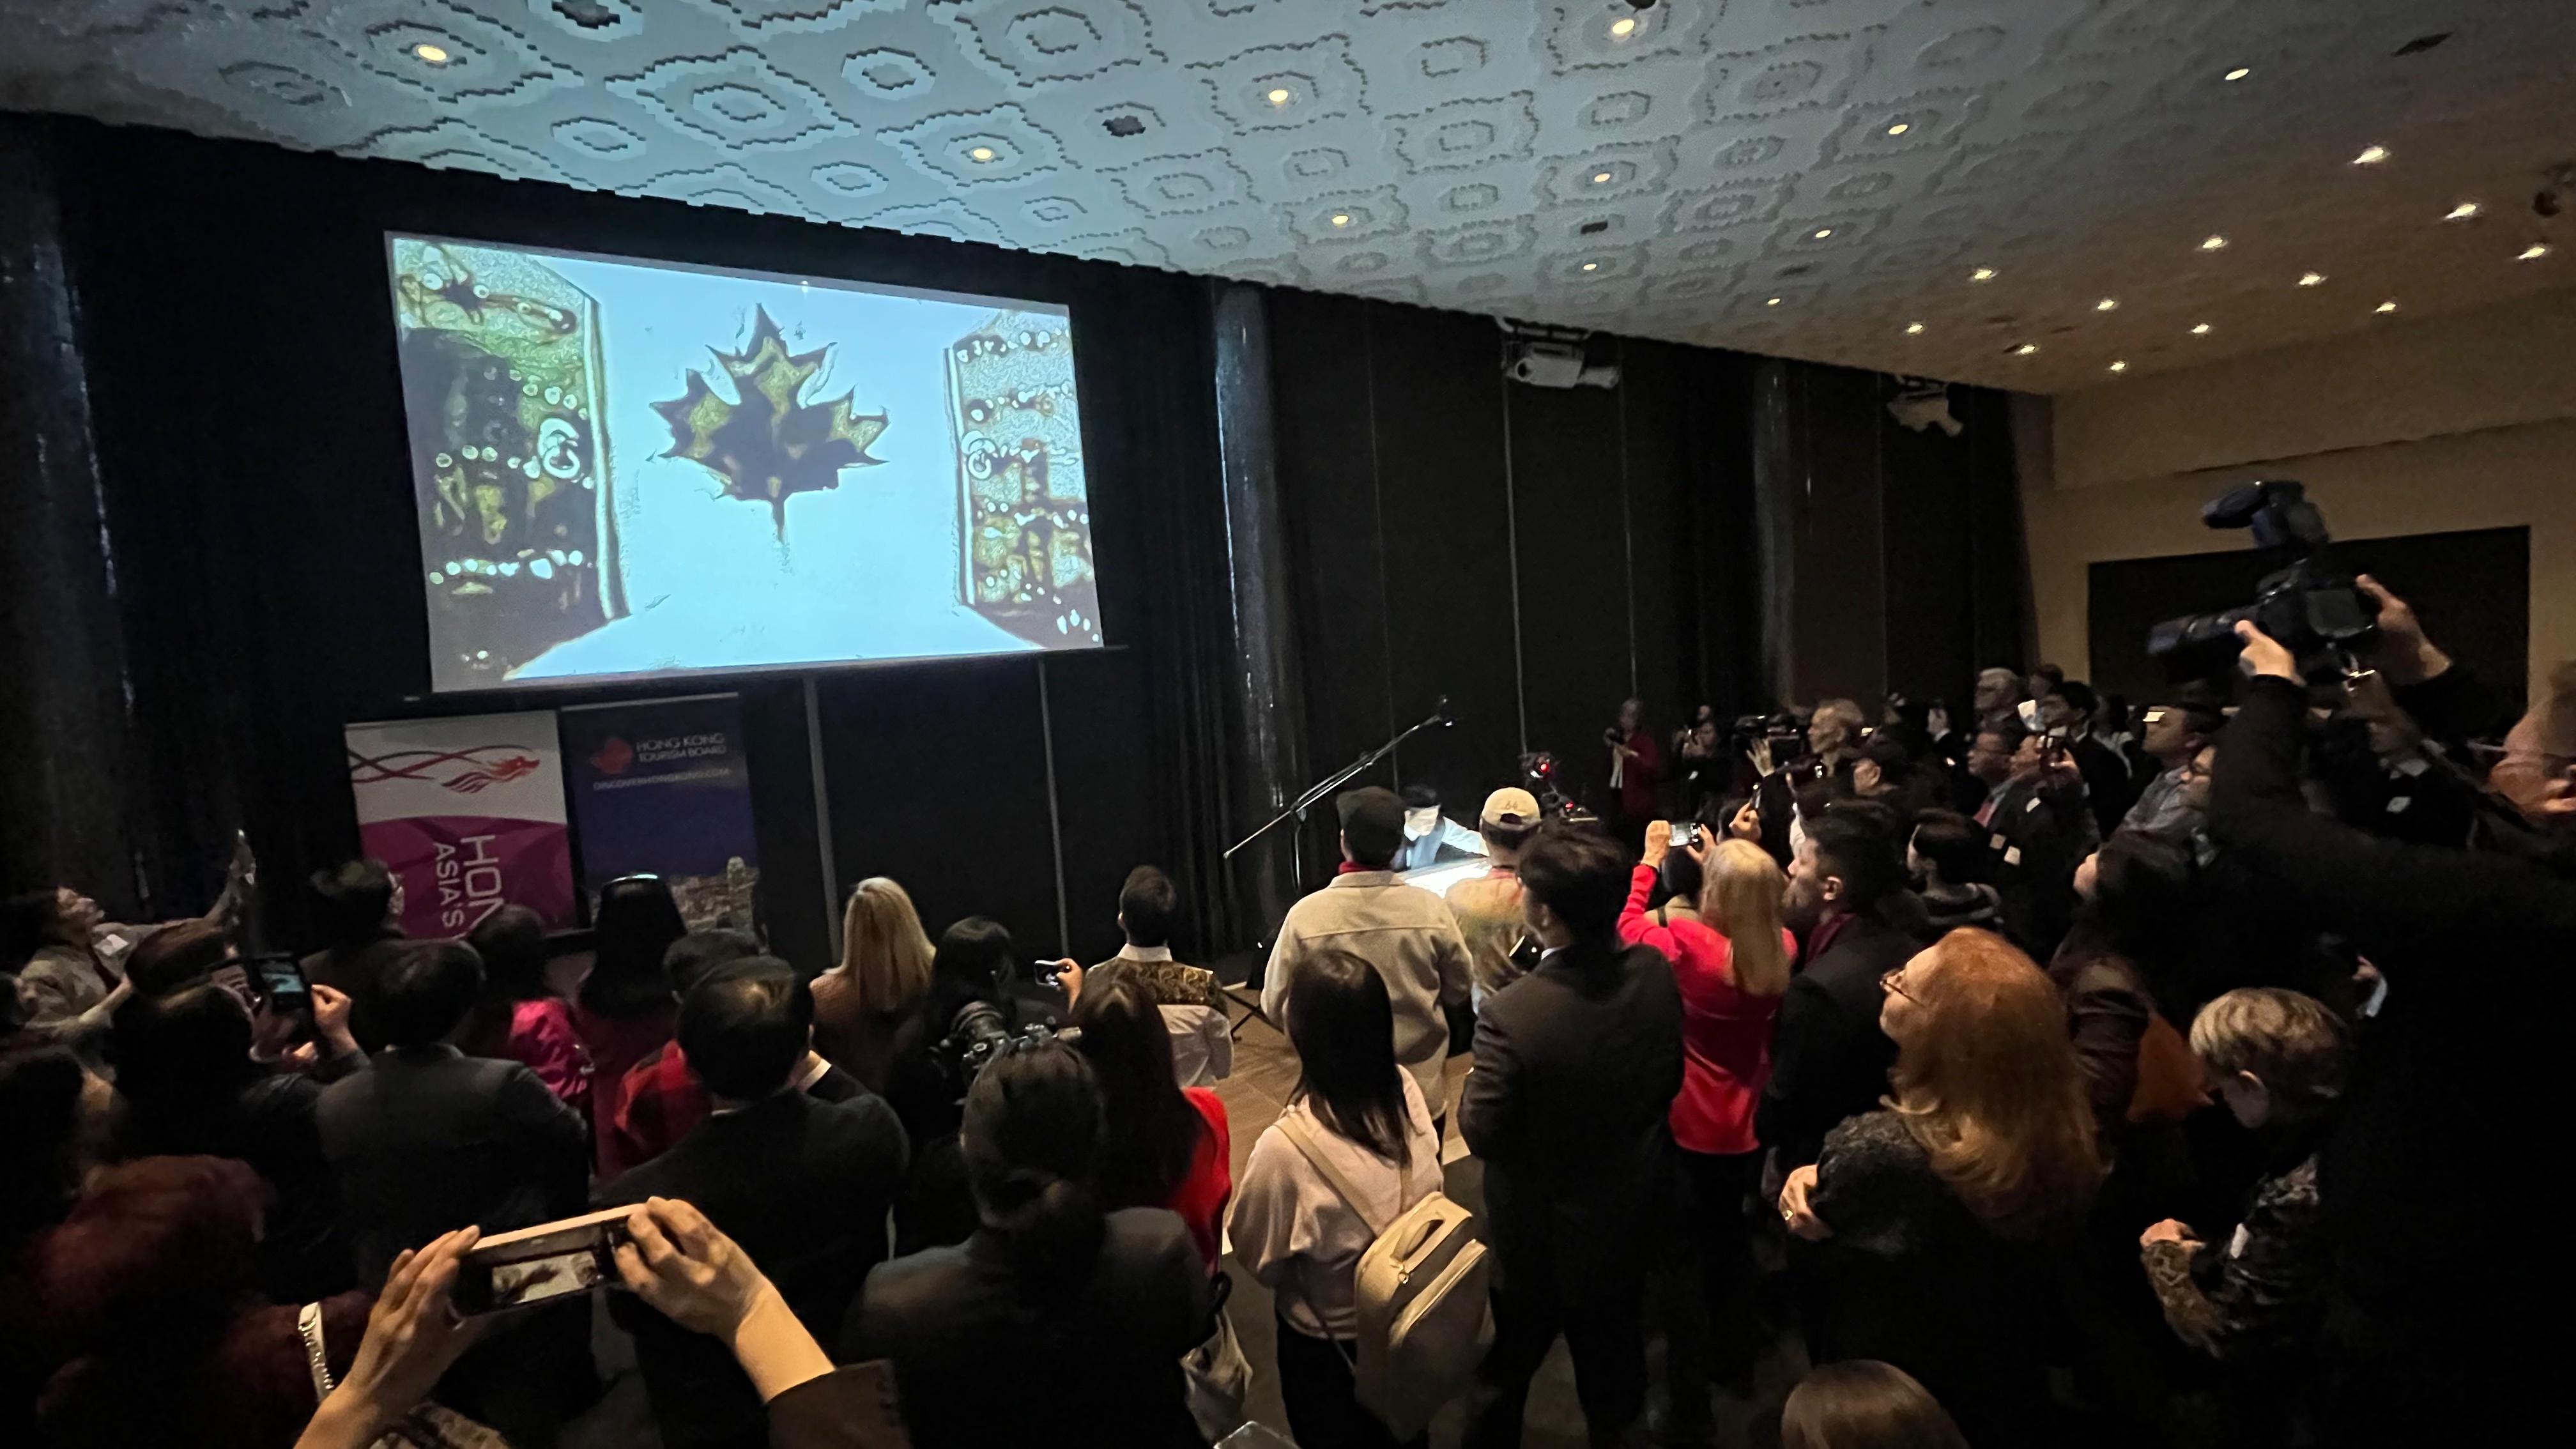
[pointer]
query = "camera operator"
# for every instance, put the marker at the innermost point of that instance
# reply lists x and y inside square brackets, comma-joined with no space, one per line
[965,1020]
[1702,768]
[2457,1071]
[1833,747]
[2037,827]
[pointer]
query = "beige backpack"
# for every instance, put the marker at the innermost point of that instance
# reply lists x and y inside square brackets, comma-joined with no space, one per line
[1424,1321]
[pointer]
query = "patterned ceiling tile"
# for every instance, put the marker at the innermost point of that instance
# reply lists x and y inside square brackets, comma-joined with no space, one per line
[1050,42]
[2076,146]
[736,101]
[1464,135]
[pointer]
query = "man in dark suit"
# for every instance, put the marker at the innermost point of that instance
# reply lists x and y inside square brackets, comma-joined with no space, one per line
[803,1185]
[1577,1064]
[1829,1060]
[2110,780]
[2038,830]
[426,1139]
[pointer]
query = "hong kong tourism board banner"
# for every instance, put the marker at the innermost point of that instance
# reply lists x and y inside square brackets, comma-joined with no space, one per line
[662,787]
[468,813]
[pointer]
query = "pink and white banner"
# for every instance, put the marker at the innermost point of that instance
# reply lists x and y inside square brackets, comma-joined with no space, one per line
[468,812]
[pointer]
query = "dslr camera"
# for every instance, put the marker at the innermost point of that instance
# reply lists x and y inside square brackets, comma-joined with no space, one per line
[2308,603]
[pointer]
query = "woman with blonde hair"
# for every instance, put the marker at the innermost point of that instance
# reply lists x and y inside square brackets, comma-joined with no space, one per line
[1936,1214]
[1732,965]
[884,969]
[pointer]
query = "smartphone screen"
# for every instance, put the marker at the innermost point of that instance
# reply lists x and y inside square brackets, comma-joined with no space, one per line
[280,982]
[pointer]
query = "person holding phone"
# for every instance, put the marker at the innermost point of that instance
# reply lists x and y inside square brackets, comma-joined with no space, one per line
[195,1083]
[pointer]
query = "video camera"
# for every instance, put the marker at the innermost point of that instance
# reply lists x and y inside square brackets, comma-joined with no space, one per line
[2309,604]
[1538,776]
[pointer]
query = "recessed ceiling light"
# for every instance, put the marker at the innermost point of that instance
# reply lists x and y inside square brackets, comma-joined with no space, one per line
[2200,329]
[433,54]
[1899,129]
[981,153]
[2026,349]
[2119,367]
[2240,73]
[2533,252]
[1600,178]
[2461,212]
[1623,27]
[2312,279]
[1982,274]
[2387,306]
[1770,301]
[2213,242]
[1341,218]
[2107,304]
[1913,329]
[1823,232]
[1280,96]
[2371,156]
[1591,266]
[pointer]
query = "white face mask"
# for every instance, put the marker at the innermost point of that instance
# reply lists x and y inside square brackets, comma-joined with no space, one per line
[1419,823]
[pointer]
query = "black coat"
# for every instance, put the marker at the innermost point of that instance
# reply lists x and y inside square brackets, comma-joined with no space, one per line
[1577,1065]
[1829,1060]
[2463,1065]
[2036,838]
[981,1360]
[804,1186]
[427,1139]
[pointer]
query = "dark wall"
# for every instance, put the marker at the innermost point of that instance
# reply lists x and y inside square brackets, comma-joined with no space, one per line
[1535,555]
[2471,588]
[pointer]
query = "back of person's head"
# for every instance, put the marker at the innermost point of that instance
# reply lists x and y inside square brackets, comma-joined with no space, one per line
[1855,844]
[1510,819]
[1742,903]
[160,1249]
[1342,1024]
[2289,1042]
[40,1133]
[28,923]
[1372,825]
[512,943]
[1683,878]
[183,1052]
[424,991]
[1862,1403]
[1581,876]
[693,956]
[1952,845]
[1152,1131]
[175,955]
[352,900]
[974,957]
[2144,901]
[885,954]
[1419,796]
[1145,906]
[1893,755]
[636,923]
[1987,1080]
[745,1027]
[1031,1141]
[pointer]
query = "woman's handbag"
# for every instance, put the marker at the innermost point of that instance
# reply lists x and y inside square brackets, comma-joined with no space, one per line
[1218,1374]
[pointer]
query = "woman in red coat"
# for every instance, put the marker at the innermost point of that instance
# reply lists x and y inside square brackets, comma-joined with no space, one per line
[1732,964]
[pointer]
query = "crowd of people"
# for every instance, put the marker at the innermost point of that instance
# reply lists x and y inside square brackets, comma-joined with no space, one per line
[2045,1071]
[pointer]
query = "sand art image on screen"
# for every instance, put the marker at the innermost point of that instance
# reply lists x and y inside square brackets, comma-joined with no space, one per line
[629,469]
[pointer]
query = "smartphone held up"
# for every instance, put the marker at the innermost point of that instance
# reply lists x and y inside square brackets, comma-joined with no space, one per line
[548,1261]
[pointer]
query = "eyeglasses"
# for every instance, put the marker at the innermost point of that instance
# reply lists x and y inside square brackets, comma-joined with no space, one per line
[1893,987]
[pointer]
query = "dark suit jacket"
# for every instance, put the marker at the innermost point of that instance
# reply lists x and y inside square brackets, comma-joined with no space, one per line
[427,1139]
[1829,1060]
[980,1360]
[2037,839]
[1577,1064]
[2110,782]
[804,1185]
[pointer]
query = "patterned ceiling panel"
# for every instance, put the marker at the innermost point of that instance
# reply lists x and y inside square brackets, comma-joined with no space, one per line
[1804,177]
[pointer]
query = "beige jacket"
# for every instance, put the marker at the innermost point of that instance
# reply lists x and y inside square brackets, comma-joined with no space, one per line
[1404,931]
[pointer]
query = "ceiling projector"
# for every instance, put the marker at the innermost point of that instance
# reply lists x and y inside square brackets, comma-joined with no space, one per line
[1556,362]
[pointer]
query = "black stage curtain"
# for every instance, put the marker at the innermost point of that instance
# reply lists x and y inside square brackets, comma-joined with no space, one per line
[238,342]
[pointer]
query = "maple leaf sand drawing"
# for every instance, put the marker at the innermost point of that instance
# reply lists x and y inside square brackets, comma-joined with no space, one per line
[769,446]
